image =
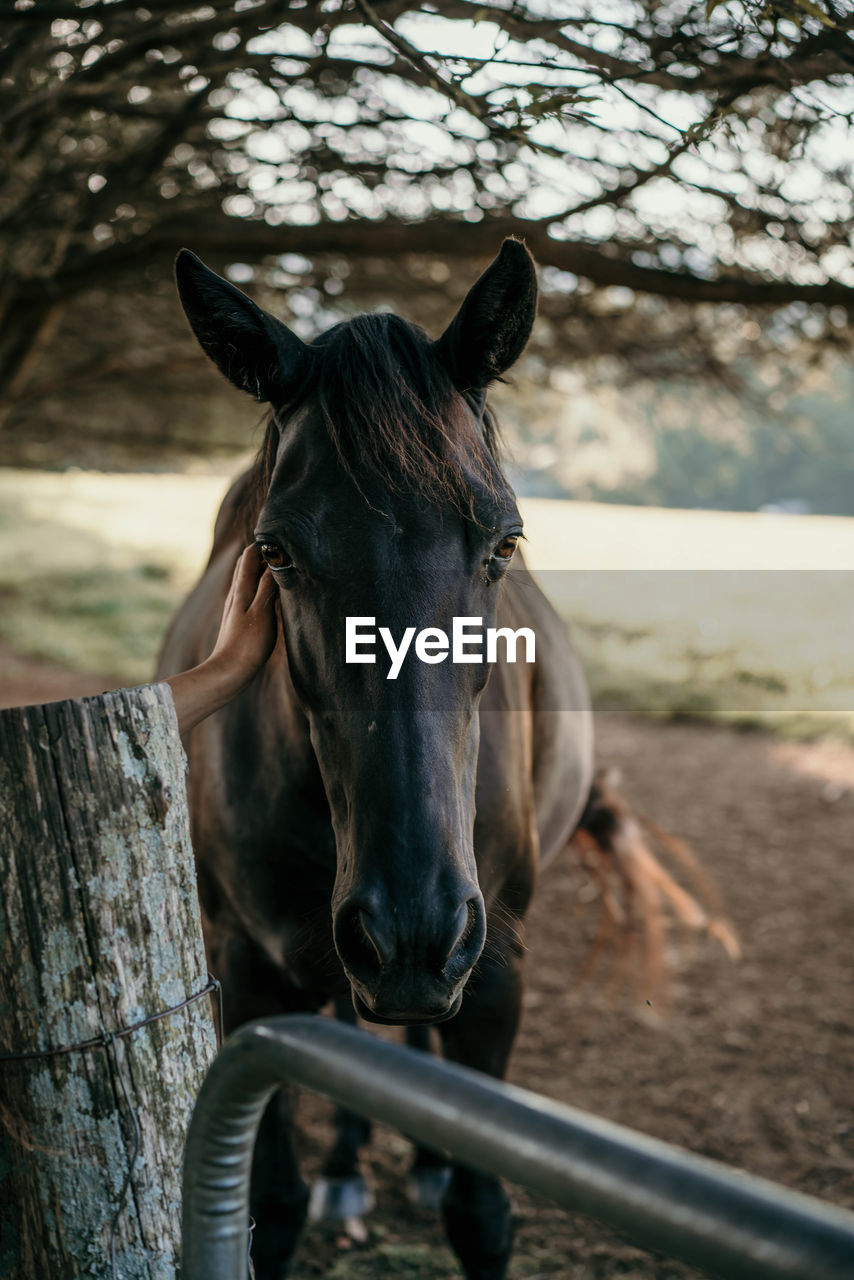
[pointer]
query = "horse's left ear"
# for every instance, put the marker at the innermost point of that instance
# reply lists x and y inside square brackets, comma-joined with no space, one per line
[491,328]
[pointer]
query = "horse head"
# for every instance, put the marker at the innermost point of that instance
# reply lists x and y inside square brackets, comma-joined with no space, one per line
[384,501]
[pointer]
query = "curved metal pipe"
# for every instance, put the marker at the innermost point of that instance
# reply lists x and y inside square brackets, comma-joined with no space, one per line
[724,1222]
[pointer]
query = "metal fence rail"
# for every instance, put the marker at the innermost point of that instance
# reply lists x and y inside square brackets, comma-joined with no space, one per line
[722,1221]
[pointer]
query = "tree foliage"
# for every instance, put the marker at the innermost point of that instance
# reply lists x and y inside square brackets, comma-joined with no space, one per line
[682,170]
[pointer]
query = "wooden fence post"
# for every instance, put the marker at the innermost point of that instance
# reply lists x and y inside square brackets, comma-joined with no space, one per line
[99,930]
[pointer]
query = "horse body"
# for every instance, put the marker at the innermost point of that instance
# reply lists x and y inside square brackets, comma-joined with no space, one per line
[356,834]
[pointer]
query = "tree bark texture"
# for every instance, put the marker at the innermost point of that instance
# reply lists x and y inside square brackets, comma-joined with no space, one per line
[99,929]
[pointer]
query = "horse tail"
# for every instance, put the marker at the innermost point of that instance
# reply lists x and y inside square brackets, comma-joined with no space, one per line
[619,849]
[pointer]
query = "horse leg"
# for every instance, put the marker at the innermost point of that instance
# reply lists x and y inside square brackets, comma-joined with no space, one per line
[430,1173]
[278,1203]
[279,1195]
[475,1207]
[341,1194]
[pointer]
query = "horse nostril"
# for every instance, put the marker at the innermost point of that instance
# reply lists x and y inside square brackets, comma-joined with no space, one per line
[363,921]
[463,922]
[469,933]
[362,944]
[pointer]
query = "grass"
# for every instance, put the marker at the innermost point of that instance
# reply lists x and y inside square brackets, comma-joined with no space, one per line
[751,647]
[93,566]
[731,616]
[744,618]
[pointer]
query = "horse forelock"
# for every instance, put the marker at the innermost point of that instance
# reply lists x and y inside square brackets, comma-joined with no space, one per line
[393,416]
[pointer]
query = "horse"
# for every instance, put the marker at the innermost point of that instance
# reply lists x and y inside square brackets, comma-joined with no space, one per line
[358,835]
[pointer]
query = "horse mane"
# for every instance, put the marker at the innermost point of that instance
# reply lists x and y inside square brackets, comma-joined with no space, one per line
[393,416]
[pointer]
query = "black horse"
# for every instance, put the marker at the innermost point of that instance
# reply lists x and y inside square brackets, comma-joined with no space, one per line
[354,833]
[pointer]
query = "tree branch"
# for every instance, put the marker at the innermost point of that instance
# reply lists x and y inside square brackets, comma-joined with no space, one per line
[224,236]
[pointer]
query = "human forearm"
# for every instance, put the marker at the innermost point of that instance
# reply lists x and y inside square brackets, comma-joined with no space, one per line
[199,692]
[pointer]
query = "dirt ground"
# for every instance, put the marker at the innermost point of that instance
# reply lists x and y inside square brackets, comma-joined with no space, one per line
[753,1065]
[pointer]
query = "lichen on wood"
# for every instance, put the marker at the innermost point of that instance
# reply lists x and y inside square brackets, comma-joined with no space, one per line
[99,929]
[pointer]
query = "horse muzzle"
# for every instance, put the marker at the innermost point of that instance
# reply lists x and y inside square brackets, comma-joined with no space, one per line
[406,1019]
[409,972]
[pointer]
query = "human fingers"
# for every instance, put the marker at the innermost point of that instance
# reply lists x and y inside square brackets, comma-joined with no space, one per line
[247,573]
[266,592]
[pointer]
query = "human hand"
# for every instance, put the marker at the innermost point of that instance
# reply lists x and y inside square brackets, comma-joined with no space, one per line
[247,632]
[246,638]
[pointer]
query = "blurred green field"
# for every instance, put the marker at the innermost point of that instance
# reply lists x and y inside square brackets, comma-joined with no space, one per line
[747,618]
[741,617]
[92,566]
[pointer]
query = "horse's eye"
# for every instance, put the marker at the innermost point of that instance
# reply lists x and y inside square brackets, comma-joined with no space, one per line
[276,557]
[506,547]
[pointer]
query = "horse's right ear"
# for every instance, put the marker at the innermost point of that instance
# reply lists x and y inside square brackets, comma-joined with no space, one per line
[253,349]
